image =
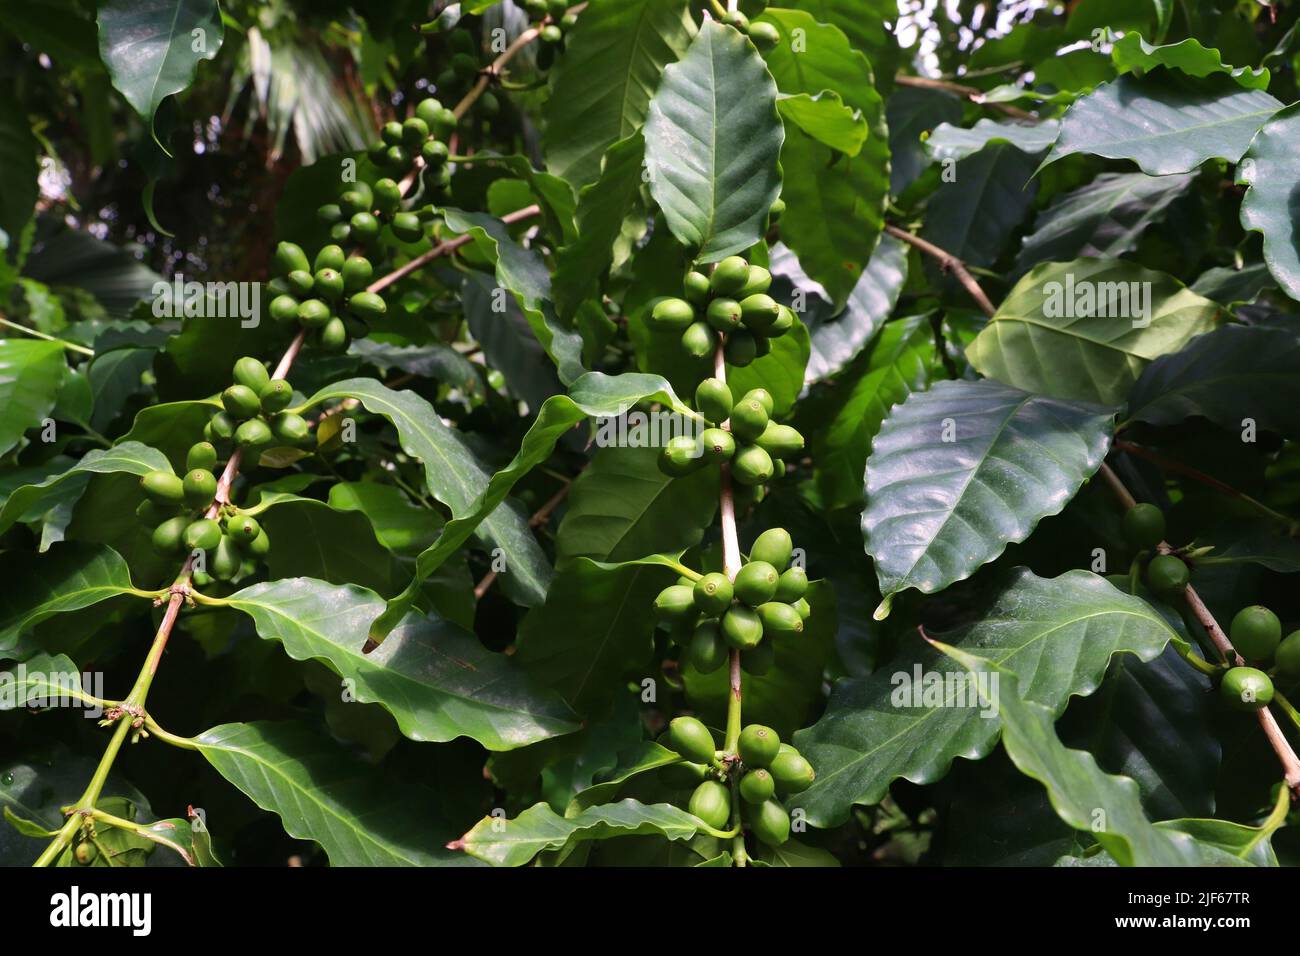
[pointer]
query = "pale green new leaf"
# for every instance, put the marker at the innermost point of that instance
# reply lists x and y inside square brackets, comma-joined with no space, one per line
[825,117]
[1131,53]
[31,373]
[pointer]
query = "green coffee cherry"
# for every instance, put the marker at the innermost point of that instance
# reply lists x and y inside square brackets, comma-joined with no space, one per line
[289,257]
[757,786]
[222,426]
[334,335]
[696,287]
[365,227]
[360,198]
[163,487]
[284,308]
[699,340]
[780,441]
[202,535]
[672,314]
[713,399]
[765,36]
[329,213]
[1144,526]
[1246,689]
[742,628]
[330,257]
[748,419]
[756,583]
[391,132]
[367,305]
[168,538]
[250,372]
[406,227]
[201,455]
[690,738]
[712,593]
[758,281]
[313,314]
[711,802]
[253,434]
[435,153]
[428,109]
[261,545]
[773,546]
[415,130]
[1167,576]
[275,396]
[243,530]
[301,283]
[723,314]
[803,607]
[340,232]
[717,444]
[791,586]
[226,560]
[792,773]
[1256,633]
[782,325]
[742,348]
[151,514]
[776,210]
[85,853]
[758,660]
[328,284]
[240,402]
[290,428]
[763,397]
[681,456]
[1287,658]
[752,466]
[707,651]
[759,745]
[769,822]
[780,619]
[551,34]
[759,312]
[200,486]
[729,276]
[357,272]
[675,603]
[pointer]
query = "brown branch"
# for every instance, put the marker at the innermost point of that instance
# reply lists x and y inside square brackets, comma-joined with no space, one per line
[948,263]
[974,94]
[1281,746]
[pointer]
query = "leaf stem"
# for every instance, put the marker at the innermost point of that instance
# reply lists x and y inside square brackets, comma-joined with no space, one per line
[70,346]
[970,92]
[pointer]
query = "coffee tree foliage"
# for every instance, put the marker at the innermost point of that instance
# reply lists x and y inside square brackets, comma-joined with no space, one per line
[649,432]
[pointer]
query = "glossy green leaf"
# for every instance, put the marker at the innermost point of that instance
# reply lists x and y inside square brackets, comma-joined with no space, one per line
[951,142]
[1086,329]
[153,47]
[129,457]
[834,203]
[44,681]
[960,471]
[400,525]
[1106,218]
[914,715]
[898,364]
[69,576]
[1131,53]
[1234,373]
[1084,796]
[781,371]
[713,138]
[436,680]
[1270,168]
[594,629]
[31,373]
[622,507]
[645,757]
[515,842]
[596,395]
[453,475]
[794,853]
[322,792]
[1164,124]
[600,89]
[825,117]
[509,344]
[973,216]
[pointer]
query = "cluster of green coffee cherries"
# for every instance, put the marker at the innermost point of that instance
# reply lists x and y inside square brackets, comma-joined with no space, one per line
[732,306]
[422,134]
[1255,632]
[458,76]
[556,20]
[754,444]
[326,297]
[765,768]
[708,614]
[764,35]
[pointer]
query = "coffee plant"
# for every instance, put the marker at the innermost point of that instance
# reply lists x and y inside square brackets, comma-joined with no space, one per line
[649,432]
